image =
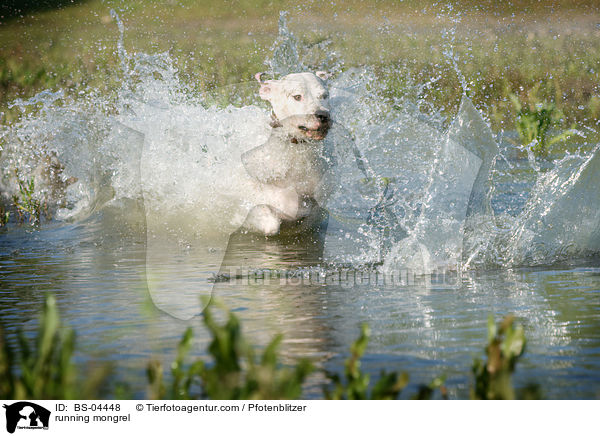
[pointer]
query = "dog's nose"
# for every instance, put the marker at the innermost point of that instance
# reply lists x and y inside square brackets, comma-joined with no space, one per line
[322,116]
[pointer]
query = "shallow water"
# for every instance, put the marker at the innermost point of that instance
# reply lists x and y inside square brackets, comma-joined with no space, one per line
[98,279]
[146,225]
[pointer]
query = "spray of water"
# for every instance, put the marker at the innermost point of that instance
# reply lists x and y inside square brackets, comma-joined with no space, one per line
[409,193]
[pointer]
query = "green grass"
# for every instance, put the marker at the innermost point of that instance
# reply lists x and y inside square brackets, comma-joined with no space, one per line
[552,46]
[44,368]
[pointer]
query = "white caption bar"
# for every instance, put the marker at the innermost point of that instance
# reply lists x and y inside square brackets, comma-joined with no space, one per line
[299,417]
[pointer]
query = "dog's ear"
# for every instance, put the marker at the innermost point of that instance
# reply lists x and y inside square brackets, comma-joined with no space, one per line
[323,75]
[258,77]
[265,90]
[265,86]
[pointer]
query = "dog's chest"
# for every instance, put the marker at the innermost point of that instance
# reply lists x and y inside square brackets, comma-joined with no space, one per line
[285,164]
[305,170]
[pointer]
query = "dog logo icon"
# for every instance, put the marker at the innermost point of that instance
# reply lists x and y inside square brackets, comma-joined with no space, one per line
[26,415]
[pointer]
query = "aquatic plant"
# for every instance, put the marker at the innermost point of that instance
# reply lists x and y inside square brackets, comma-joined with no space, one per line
[4,216]
[44,369]
[234,374]
[506,343]
[534,123]
[355,385]
[28,207]
[426,392]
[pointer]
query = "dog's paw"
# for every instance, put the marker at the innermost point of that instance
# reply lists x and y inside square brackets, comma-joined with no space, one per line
[262,219]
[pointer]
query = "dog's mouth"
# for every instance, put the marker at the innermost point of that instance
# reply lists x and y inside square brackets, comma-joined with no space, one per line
[316,134]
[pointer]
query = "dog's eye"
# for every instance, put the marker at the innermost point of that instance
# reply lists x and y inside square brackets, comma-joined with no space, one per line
[297,97]
[325,96]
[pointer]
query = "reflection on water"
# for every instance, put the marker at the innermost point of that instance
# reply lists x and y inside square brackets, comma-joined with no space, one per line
[99,280]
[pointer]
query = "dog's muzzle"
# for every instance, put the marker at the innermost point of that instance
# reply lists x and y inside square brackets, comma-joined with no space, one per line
[319,125]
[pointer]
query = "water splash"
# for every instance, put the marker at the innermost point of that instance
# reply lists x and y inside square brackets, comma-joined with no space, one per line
[120,44]
[285,58]
[561,221]
[411,193]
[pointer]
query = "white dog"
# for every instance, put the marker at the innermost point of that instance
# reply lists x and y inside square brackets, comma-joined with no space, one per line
[291,166]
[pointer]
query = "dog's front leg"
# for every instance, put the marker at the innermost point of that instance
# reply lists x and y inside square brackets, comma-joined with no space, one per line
[279,204]
[263,219]
[283,201]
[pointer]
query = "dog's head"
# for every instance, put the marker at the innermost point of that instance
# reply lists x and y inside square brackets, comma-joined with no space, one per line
[300,103]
